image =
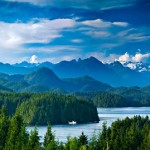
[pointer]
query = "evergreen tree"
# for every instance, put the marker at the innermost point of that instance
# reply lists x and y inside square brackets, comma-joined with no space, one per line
[23,139]
[102,138]
[52,146]
[74,144]
[146,142]
[34,140]
[49,138]
[16,133]
[93,142]
[4,126]
[83,139]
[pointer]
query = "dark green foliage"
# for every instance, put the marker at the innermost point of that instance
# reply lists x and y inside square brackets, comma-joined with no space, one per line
[34,143]
[49,137]
[110,100]
[146,142]
[127,134]
[12,100]
[136,95]
[83,139]
[103,137]
[41,108]
[103,99]
[17,137]
[4,125]
[93,142]
[57,109]
[118,97]
[72,144]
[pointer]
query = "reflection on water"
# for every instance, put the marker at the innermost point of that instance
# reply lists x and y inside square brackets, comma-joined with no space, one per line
[106,114]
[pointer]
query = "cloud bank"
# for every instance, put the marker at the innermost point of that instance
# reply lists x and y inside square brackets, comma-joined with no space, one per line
[65,37]
[16,34]
[138,57]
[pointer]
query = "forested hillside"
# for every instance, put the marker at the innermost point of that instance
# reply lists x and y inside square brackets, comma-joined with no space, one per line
[112,99]
[40,108]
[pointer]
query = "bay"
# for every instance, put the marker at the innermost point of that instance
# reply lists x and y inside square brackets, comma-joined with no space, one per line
[108,115]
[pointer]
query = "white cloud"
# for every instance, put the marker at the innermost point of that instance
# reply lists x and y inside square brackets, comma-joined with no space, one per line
[137,37]
[98,34]
[124,58]
[134,35]
[77,41]
[131,59]
[44,31]
[110,36]
[140,57]
[36,2]
[54,49]
[131,66]
[124,33]
[143,69]
[34,59]
[98,23]
[121,24]
[14,36]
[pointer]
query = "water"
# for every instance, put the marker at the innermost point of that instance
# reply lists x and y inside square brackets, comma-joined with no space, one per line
[108,115]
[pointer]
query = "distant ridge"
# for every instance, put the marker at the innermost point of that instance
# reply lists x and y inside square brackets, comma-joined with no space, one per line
[114,74]
[45,80]
[90,66]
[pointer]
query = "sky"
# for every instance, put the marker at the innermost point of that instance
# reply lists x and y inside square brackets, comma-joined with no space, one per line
[56,30]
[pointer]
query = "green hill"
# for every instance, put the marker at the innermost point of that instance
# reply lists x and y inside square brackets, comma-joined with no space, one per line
[85,84]
[43,76]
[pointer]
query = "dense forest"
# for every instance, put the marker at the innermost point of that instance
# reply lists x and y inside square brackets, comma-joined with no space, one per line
[40,108]
[105,99]
[128,134]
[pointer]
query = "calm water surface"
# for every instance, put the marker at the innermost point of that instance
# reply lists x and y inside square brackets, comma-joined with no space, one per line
[105,114]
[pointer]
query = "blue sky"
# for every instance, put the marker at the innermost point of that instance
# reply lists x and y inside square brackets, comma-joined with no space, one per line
[55,30]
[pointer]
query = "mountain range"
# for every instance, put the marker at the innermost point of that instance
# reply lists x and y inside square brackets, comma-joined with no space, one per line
[45,80]
[114,74]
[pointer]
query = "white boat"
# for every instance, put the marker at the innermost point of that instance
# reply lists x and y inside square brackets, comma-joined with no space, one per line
[72,122]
